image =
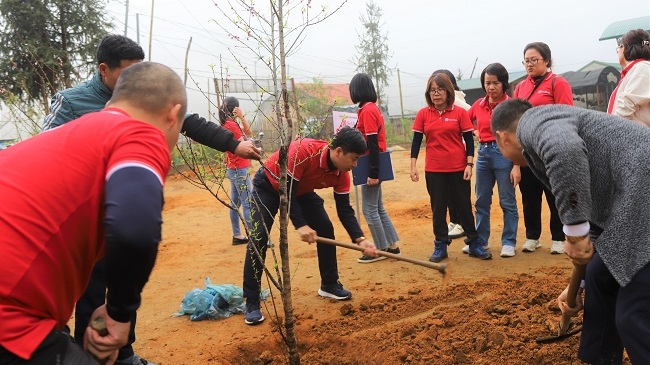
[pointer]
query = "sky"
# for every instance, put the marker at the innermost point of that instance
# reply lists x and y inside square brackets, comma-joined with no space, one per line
[422,36]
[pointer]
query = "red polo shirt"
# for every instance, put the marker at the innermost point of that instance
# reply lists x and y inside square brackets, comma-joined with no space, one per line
[481,114]
[52,223]
[445,150]
[370,121]
[233,161]
[548,92]
[307,163]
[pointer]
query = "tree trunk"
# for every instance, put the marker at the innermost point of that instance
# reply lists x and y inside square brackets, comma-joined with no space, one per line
[286,138]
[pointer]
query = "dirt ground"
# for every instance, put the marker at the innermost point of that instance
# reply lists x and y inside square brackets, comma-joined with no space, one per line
[490,312]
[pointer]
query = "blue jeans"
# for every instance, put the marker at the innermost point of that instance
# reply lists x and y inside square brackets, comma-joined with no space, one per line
[492,167]
[381,227]
[240,188]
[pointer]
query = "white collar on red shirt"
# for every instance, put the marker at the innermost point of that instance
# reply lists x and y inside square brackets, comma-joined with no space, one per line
[323,162]
[114,110]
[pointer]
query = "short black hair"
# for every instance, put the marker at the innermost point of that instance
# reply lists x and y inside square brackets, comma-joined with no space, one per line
[543,49]
[506,115]
[150,86]
[496,69]
[114,48]
[362,90]
[350,140]
[451,76]
[637,45]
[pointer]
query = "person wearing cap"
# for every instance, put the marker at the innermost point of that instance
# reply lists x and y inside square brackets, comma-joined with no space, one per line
[631,97]
[237,168]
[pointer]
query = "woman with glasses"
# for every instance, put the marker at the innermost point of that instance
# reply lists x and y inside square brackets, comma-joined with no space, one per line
[448,163]
[631,98]
[541,87]
[491,166]
[370,122]
[455,229]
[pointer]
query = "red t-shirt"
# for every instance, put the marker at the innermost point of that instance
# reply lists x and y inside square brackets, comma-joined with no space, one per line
[445,150]
[370,121]
[481,114]
[233,161]
[553,90]
[307,163]
[51,217]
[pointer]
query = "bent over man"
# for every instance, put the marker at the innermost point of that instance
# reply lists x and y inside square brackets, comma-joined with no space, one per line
[74,195]
[597,167]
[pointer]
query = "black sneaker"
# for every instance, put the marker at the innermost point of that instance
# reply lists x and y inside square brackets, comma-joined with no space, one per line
[253,313]
[334,291]
[239,241]
[394,251]
[367,259]
[134,360]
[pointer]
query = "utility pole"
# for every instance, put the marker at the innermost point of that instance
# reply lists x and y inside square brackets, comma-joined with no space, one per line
[126,17]
[209,102]
[150,29]
[137,26]
[186,70]
[401,101]
[470,76]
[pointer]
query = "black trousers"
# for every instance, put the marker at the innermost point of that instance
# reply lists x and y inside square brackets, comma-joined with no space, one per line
[57,349]
[453,212]
[443,188]
[615,317]
[531,196]
[93,297]
[266,202]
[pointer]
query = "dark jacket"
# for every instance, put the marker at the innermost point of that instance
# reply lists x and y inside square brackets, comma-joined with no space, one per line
[92,96]
[596,164]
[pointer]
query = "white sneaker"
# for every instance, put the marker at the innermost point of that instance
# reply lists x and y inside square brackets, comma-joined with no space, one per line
[507,251]
[557,247]
[531,246]
[456,232]
[466,248]
[451,226]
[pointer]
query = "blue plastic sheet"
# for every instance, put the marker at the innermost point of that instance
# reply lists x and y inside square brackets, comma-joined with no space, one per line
[213,302]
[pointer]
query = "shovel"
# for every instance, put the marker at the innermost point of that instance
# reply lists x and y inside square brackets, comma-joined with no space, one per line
[442,268]
[566,328]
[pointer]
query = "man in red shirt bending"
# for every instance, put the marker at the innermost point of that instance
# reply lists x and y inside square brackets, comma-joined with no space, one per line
[92,188]
[312,164]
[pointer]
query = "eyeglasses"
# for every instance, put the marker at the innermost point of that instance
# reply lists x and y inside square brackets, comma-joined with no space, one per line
[437,91]
[532,61]
[618,47]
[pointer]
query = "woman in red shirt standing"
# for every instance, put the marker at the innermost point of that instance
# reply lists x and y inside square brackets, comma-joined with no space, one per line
[237,168]
[448,163]
[370,122]
[491,166]
[541,87]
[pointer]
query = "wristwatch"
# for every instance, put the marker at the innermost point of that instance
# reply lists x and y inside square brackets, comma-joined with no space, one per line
[470,164]
[574,239]
[359,240]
